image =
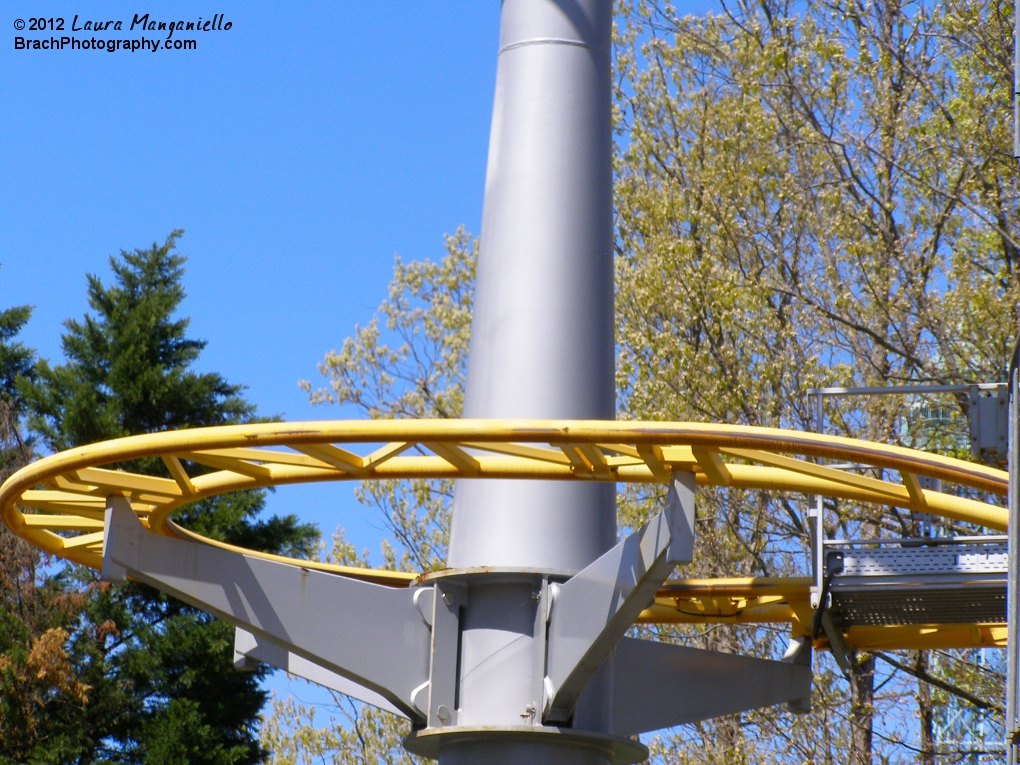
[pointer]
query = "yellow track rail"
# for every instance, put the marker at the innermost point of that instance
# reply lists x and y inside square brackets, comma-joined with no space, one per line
[67,492]
[787,601]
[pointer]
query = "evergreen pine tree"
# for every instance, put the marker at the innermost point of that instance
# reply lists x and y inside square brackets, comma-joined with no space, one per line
[161,685]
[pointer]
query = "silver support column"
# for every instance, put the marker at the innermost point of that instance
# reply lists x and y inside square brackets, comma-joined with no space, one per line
[1012,589]
[542,331]
[541,347]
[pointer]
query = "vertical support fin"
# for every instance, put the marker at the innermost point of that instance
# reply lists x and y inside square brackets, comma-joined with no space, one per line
[118,513]
[593,610]
[442,704]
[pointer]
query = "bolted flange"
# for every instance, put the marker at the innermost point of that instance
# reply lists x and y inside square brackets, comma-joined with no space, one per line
[525,743]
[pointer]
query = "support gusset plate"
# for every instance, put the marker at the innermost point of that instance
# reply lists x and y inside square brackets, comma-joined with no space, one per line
[441,605]
[373,635]
[249,650]
[658,685]
[593,610]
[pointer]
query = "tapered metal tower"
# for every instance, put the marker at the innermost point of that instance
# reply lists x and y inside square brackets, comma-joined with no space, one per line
[542,332]
[541,348]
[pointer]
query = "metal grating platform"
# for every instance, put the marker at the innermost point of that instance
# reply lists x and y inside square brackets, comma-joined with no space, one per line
[951,584]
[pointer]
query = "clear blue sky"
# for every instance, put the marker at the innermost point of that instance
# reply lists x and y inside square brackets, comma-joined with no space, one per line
[300,150]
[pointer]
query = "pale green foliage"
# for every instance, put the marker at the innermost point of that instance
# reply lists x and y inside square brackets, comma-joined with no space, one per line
[361,736]
[417,513]
[428,314]
[698,337]
[823,182]
[809,192]
[343,553]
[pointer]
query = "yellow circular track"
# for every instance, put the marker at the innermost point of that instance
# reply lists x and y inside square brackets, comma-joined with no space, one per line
[67,492]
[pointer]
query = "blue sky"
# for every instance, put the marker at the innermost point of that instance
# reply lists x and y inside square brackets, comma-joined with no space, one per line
[300,151]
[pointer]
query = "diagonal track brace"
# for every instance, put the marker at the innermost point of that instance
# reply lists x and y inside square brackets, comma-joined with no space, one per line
[592,611]
[249,651]
[657,685]
[372,635]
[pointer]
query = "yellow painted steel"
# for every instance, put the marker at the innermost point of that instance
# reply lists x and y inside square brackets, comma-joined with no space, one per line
[66,493]
[787,601]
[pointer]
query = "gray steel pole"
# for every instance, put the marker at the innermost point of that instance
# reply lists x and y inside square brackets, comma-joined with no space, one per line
[541,347]
[542,332]
[1012,596]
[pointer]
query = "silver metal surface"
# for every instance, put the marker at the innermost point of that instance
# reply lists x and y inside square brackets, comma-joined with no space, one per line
[385,648]
[690,684]
[799,653]
[949,584]
[592,611]
[542,745]
[981,539]
[497,660]
[816,525]
[942,560]
[542,329]
[989,425]
[886,390]
[541,347]
[1012,721]
[249,651]
[928,604]
[837,645]
[446,600]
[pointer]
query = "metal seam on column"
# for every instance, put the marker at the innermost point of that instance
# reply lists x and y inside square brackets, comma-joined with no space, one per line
[544,41]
